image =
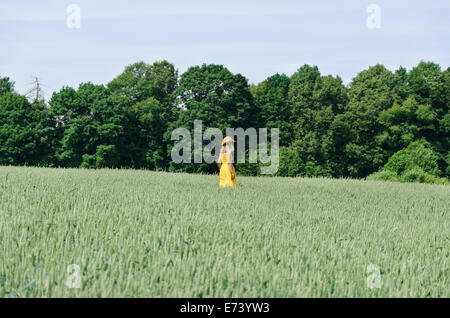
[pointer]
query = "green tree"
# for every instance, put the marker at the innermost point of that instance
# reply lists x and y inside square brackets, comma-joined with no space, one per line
[24,131]
[220,99]
[316,101]
[370,92]
[271,97]
[415,163]
[140,81]
[405,123]
[90,125]
[424,81]
[6,86]
[431,87]
[147,88]
[147,126]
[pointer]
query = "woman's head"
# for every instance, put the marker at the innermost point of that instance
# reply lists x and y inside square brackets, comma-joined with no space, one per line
[227,145]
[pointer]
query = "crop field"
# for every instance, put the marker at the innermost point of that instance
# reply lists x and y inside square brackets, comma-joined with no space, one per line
[131,233]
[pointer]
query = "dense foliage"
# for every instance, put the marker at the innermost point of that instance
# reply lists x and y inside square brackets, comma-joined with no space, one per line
[326,128]
[417,162]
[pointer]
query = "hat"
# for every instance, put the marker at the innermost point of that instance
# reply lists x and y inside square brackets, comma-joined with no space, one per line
[226,140]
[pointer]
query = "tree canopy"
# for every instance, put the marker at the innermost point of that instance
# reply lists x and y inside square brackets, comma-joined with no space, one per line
[380,121]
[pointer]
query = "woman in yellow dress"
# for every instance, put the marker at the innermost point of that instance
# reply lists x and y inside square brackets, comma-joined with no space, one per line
[227,173]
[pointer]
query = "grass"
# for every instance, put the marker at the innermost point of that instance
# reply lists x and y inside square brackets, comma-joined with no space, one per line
[155,234]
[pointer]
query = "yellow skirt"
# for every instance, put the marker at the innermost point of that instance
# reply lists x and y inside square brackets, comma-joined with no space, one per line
[225,175]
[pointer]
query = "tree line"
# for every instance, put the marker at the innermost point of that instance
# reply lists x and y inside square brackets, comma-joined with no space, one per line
[382,125]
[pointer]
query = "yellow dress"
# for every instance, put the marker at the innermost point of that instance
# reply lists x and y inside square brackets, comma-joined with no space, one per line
[225,174]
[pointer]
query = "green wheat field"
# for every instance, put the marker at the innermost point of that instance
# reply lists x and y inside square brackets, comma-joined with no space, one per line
[155,234]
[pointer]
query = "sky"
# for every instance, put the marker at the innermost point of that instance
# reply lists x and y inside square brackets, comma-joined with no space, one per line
[256,38]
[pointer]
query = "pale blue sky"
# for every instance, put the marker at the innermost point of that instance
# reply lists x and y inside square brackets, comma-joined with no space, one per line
[254,38]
